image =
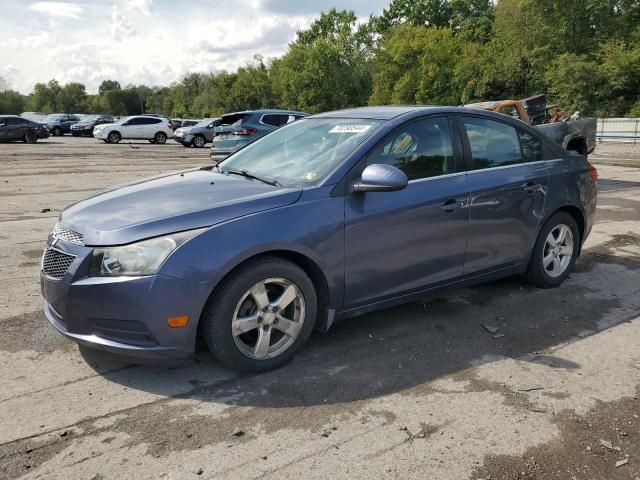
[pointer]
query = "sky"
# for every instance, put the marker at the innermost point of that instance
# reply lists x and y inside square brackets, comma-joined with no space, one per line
[154,42]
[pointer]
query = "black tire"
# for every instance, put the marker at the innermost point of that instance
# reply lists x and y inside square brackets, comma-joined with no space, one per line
[57,132]
[539,275]
[114,137]
[160,138]
[219,312]
[74,134]
[199,141]
[30,136]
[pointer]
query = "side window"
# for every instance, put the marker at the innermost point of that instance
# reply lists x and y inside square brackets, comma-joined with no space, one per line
[531,147]
[493,144]
[421,149]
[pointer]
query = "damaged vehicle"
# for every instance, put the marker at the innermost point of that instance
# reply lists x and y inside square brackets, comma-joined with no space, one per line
[574,134]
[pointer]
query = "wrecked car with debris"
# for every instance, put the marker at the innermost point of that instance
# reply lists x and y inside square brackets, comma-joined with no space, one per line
[574,133]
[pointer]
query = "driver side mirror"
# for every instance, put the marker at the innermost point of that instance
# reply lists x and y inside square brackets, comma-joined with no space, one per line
[381,178]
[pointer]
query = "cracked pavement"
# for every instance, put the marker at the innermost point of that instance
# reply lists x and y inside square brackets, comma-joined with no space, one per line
[417,391]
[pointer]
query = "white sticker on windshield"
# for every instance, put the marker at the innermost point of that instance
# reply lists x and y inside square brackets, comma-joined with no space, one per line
[355,128]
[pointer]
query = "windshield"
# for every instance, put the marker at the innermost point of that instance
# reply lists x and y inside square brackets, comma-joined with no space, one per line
[303,152]
[90,118]
[203,123]
[52,117]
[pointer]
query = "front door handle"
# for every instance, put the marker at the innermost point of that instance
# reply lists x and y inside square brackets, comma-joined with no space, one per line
[531,187]
[452,205]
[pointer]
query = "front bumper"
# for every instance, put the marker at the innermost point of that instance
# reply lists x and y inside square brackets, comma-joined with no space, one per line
[82,131]
[123,315]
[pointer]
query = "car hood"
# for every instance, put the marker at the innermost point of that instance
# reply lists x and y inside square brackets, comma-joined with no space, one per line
[85,123]
[170,203]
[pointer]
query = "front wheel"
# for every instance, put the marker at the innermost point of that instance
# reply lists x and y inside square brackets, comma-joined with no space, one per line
[555,251]
[261,315]
[57,131]
[113,137]
[198,141]
[160,138]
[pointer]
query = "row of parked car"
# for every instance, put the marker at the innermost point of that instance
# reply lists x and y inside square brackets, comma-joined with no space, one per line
[226,134]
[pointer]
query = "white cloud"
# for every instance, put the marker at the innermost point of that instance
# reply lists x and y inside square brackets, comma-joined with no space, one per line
[143,6]
[36,40]
[59,9]
[154,42]
[120,24]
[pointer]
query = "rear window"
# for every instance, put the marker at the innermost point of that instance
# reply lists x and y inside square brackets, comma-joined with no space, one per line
[275,120]
[235,118]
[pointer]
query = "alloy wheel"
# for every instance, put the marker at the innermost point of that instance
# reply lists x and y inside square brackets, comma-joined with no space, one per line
[268,318]
[558,250]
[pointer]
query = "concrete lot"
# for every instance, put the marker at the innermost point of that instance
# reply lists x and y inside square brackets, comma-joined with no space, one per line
[419,391]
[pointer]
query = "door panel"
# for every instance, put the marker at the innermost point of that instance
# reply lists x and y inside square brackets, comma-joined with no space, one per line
[507,205]
[396,242]
[508,183]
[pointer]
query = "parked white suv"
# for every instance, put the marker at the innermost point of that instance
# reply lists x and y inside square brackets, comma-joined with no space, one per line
[141,127]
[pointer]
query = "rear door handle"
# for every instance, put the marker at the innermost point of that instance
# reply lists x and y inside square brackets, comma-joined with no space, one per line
[452,205]
[531,187]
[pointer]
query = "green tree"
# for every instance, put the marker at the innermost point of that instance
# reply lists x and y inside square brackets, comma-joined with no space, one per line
[11,102]
[417,65]
[107,85]
[325,68]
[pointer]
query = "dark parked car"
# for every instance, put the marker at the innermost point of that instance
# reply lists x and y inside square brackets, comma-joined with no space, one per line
[87,124]
[59,123]
[237,130]
[14,128]
[326,218]
[198,135]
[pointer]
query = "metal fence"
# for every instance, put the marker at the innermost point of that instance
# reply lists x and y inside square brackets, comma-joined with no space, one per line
[619,130]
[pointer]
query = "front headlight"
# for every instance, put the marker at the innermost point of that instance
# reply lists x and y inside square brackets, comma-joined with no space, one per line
[137,259]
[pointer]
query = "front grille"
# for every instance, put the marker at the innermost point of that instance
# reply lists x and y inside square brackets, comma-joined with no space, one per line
[56,263]
[66,234]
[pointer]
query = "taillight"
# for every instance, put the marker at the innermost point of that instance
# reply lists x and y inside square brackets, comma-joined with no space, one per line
[245,131]
[170,126]
[593,171]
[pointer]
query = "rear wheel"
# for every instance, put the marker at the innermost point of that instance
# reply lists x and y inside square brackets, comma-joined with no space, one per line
[113,137]
[555,251]
[199,141]
[160,138]
[261,315]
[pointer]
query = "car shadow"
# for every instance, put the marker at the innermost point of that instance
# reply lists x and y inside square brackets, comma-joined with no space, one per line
[401,348]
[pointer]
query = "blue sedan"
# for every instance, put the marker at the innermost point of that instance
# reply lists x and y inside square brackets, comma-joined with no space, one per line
[326,218]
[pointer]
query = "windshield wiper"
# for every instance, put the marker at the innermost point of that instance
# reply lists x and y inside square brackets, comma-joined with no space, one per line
[245,174]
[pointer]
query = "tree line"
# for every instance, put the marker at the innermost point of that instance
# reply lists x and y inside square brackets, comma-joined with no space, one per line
[584,53]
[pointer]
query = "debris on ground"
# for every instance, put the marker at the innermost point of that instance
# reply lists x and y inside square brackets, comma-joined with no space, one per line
[622,462]
[607,444]
[499,335]
[45,210]
[530,387]
[490,328]
[199,471]
[237,432]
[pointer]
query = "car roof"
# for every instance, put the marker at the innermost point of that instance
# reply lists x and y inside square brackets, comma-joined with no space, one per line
[389,112]
[383,112]
[11,116]
[267,111]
